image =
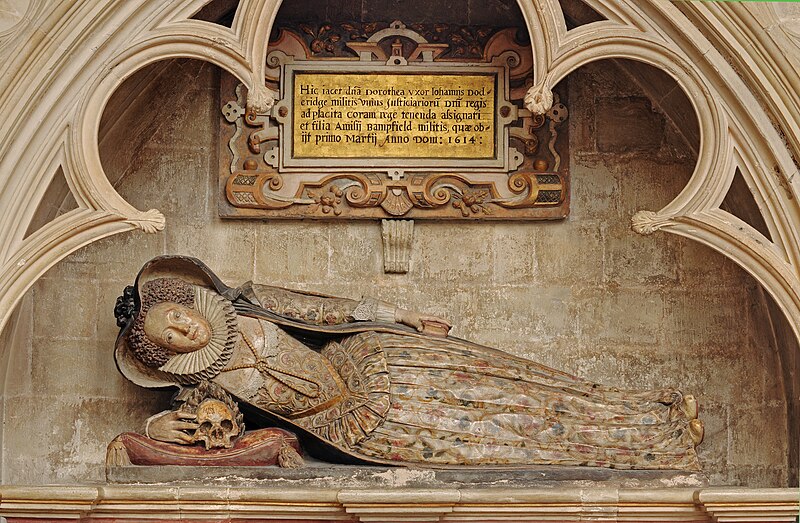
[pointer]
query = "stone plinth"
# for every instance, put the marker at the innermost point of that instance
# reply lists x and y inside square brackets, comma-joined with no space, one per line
[318,474]
[269,501]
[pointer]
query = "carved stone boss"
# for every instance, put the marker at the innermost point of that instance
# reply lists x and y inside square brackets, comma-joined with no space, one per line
[377,121]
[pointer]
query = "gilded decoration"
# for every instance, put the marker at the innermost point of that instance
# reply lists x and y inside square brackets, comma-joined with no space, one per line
[385,120]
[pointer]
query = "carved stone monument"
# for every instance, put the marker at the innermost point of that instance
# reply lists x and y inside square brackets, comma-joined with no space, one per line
[363,381]
[377,120]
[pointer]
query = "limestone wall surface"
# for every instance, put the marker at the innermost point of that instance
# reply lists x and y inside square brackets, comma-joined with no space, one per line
[586,294]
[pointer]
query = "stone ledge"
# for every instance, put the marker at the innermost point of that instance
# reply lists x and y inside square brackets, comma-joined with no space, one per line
[257,503]
[316,474]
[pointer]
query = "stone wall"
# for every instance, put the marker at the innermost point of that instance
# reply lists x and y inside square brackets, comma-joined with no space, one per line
[586,294]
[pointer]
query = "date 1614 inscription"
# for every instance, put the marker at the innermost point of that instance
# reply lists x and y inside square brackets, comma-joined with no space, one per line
[394,116]
[394,121]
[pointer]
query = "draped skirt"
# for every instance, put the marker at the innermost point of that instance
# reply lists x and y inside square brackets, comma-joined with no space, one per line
[457,403]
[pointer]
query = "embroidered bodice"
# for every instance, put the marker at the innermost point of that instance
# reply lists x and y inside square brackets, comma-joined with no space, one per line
[340,393]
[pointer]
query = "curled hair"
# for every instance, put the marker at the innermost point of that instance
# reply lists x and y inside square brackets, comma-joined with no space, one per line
[153,292]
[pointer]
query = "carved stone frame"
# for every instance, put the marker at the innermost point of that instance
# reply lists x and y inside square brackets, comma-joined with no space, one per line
[504,158]
[527,184]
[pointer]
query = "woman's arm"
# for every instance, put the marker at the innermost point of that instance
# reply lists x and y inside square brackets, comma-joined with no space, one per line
[328,310]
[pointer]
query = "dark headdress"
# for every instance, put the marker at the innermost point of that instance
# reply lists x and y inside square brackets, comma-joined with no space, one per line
[142,367]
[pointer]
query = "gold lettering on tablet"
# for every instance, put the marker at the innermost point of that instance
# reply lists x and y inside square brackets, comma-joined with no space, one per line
[388,120]
[394,116]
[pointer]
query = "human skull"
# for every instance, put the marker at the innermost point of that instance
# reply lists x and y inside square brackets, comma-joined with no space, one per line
[217,424]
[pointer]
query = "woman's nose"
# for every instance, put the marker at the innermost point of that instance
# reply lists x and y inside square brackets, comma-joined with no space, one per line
[183,324]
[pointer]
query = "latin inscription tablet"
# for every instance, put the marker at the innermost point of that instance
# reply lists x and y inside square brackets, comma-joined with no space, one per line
[394,115]
[388,120]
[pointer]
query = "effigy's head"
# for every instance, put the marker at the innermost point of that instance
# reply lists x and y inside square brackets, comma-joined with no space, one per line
[176,327]
[167,322]
[176,324]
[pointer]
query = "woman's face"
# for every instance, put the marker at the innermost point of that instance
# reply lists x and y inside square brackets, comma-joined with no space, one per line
[176,327]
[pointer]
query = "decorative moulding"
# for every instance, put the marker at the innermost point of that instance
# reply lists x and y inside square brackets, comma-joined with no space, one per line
[375,129]
[256,503]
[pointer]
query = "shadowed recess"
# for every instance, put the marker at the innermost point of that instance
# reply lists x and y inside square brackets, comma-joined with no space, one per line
[787,351]
[57,200]
[218,12]
[578,13]
[667,98]
[498,13]
[740,202]
[143,93]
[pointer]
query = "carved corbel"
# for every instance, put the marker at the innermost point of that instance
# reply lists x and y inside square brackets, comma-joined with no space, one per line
[398,237]
[151,221]
[539,98]
[648,222]
[260,101]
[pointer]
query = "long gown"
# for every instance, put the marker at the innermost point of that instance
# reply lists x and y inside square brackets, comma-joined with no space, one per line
[393,396]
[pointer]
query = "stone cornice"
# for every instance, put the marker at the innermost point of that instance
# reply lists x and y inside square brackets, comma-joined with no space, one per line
[260,502]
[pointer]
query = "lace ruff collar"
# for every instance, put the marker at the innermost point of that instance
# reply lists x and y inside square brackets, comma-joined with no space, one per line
[205,363]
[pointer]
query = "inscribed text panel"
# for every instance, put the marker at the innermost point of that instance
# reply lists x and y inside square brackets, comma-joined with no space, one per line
[394,116]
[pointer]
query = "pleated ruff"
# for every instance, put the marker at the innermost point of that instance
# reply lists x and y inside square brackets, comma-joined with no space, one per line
[457,403]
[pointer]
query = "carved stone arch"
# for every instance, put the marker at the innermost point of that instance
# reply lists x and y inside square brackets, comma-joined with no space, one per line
[738,130]
[545,23]
[152,33]
[731,119]
[712,173]
[161,28]
[96,188]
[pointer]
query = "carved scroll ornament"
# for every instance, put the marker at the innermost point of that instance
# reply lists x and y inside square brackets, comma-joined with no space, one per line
[386,121]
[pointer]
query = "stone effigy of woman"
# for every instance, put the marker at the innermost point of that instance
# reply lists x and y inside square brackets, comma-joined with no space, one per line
[359,382]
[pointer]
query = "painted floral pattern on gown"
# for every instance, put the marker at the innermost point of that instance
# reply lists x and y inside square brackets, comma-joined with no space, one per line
[454,402]
[443,401]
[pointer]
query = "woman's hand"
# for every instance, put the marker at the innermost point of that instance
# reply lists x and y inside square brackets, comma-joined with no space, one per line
[168,426]
[426,323]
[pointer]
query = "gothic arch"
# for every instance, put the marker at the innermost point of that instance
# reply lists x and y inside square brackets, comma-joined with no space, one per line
[75,55]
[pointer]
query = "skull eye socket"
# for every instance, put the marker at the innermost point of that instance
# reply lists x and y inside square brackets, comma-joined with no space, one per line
[227,425]
[206,425]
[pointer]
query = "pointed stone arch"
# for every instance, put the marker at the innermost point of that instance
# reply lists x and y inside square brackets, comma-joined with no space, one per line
[56,86]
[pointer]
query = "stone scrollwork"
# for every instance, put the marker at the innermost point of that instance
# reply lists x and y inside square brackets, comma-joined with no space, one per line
[366,195]
[478,155]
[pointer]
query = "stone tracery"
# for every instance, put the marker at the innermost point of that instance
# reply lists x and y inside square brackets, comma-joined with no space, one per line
[736,131]
[730,122]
